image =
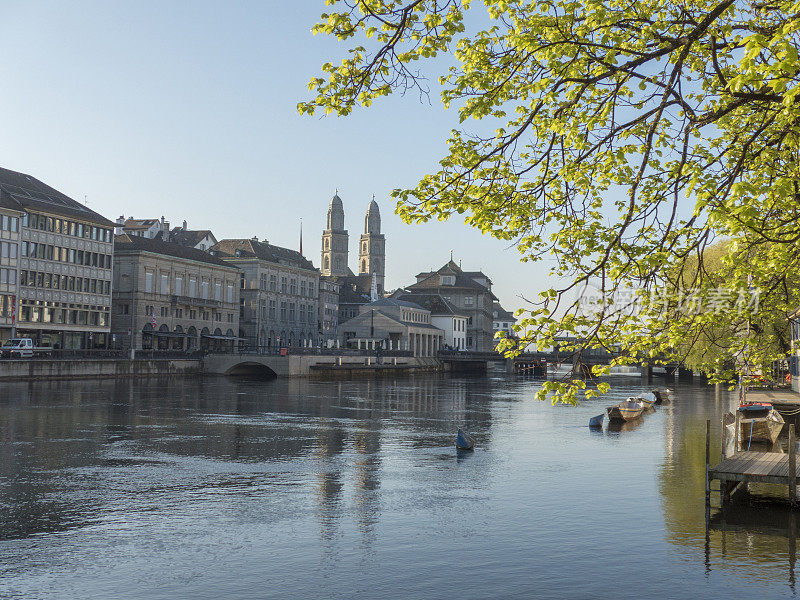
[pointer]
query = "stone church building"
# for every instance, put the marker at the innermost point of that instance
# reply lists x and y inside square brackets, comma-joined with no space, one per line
[355,290]
[371,245]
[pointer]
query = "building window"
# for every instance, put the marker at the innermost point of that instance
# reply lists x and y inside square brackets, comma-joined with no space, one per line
[302,288]
[229,293]
[165,283]
[204,290]
[283,311]
[283,285]
[272,304]
[291,312]
[273,283]
[218,292]
[148,281]
[179,285]
[193,287]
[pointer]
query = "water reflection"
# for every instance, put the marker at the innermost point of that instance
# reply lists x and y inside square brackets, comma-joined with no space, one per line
[216,487]
[755,532]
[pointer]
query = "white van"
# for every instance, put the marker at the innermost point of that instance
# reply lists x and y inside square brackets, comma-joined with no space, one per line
[17,348]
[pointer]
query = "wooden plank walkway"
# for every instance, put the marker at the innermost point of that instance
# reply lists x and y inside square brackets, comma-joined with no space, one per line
[761,467]
[744,467]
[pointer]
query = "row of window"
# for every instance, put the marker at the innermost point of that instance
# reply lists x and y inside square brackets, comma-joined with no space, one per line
[66,255]
[8,276]
[205,284]
[6,306]
[68,283]
[165,312]
[288,285]
[459,325]
[415,317]
[56,225]
[9,223]
[8,250]
[288,313]
[63,314]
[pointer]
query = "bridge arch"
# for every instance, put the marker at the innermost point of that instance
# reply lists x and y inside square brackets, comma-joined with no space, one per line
[249,368]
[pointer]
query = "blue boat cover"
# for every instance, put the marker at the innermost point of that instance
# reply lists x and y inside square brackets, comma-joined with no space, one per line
[463,440]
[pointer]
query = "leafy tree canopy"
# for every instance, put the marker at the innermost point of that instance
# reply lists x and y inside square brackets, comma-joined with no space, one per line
[628,136]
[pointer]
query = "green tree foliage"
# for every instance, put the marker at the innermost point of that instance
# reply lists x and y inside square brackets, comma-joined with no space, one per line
[627,137]
[717,340]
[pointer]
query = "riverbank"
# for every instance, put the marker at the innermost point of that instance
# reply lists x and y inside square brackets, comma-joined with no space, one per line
[325,367]
[40,369]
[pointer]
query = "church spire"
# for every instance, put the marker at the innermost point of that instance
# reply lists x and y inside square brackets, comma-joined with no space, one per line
[335,240]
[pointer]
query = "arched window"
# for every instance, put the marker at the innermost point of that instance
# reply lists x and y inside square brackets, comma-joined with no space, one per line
[363,266]
[327,243]
[327,263]
[364,246]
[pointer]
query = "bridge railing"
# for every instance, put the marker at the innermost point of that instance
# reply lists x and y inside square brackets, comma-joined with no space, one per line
[322,352]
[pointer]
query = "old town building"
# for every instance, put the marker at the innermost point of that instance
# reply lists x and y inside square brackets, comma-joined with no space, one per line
[65,262]
[328,310]
[279,294]
[444,315]
[470,292]
[171,297]
[504,321]
[391,324]
[10,217]
[354,290]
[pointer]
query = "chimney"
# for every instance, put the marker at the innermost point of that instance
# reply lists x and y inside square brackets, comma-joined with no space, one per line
[184,225]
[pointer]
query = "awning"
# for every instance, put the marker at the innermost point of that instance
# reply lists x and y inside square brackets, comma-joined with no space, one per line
[218,337]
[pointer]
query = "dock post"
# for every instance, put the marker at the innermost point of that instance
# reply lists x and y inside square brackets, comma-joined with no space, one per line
[708,466]
[736,433]
[792,466]
[722,437]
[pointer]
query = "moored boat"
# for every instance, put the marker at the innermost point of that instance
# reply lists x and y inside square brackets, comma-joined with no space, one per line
[464,441]
[626,410]
[759,423]
[596,421]
[647,402]
[662,395]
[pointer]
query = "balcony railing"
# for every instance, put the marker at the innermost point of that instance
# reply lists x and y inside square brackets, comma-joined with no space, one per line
[197,301]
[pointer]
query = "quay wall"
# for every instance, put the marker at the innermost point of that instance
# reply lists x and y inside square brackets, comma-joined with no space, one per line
[95,368]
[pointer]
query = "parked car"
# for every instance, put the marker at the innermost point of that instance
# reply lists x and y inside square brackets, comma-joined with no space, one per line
[17,348]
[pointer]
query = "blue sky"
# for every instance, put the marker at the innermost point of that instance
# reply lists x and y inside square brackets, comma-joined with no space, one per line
[188,110]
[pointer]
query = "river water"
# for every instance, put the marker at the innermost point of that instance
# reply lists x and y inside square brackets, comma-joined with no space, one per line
[231,489]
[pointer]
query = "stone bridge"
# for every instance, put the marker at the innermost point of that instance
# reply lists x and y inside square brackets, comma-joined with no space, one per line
[264,365]
[299,365]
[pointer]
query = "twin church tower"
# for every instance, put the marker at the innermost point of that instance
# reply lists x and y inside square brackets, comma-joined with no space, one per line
[371,246]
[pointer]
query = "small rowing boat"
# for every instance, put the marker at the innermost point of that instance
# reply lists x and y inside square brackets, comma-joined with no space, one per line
[663,395]
[597,421]
[627,410]
[464,441]
[759,422]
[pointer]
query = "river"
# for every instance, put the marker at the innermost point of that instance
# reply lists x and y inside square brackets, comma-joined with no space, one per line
[218,488]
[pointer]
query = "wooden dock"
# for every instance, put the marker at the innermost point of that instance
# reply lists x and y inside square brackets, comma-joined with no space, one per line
[744,467]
